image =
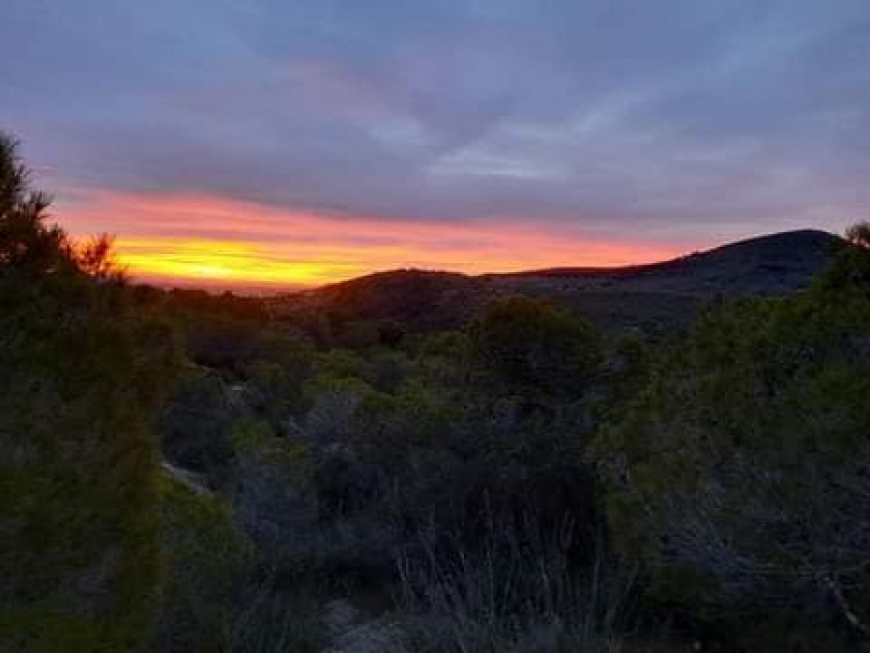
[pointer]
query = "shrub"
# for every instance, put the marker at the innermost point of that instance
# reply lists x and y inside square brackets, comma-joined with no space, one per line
[529,342]
[207,565]
[275,390]
[333,403]
[740,473]
[81,374]
[196,423]
[272,494]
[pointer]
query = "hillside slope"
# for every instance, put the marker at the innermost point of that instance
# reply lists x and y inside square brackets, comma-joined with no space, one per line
[773,264]
[654,298]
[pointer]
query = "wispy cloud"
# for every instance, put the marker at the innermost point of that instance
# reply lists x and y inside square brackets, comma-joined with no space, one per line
[637,122]
[206,238]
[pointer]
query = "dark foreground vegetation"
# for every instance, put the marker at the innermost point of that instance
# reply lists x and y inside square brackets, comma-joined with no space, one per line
[182,472]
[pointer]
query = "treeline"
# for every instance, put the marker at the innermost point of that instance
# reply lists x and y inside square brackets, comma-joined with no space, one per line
[182,473]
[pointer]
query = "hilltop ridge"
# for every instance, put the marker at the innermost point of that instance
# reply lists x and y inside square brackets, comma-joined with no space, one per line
[652,297]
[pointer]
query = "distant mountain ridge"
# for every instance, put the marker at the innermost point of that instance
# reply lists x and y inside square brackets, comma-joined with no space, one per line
[653,297]
[782,262]
[777,245]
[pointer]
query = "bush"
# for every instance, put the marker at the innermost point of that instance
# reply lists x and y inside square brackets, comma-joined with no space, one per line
[81,374]
[739,475]
[273,497]
[196,425]
[529,342]
[207,566]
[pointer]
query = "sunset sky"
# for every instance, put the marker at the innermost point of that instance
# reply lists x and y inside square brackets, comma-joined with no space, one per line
[271,143]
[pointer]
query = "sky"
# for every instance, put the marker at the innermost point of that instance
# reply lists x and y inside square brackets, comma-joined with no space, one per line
[280,142]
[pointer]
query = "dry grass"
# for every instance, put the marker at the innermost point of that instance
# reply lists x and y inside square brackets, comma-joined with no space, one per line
[517,593]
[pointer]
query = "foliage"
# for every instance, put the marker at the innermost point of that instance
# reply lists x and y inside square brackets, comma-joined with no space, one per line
[81,377]
[272,498]
[457,483]
[739,474]
[515,593]
[859,234]
[196,423]
[27,244]
[529,342]
[206,564]
[850,270]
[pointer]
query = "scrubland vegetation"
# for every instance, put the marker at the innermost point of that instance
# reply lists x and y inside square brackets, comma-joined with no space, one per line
[182,472]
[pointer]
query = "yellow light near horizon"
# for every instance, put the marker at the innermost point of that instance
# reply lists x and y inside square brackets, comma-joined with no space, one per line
[210,271]
[205,260]
[211,241]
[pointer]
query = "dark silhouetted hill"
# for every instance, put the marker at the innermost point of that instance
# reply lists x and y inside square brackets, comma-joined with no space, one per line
[778,263]
[654,298]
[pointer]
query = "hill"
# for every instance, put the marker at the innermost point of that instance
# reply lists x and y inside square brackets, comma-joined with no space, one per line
[654,298]
[772,264]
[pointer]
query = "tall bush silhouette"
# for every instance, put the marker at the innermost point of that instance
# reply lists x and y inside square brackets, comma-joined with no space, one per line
[80,374]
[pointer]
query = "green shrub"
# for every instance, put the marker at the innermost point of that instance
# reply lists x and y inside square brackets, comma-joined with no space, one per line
[206,564]
[196,423]
[272,495]
[739,474]
[81,374]
[529,342]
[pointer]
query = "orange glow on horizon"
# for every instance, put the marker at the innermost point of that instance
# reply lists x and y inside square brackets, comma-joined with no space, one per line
[217,242]
[233,262]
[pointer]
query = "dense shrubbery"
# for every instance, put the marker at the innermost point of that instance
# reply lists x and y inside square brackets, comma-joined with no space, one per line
[741,473]
[206,567]
[531,343]
[350,465]
[732,468]
[518,485]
